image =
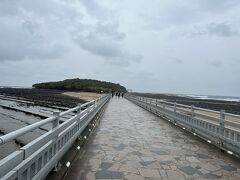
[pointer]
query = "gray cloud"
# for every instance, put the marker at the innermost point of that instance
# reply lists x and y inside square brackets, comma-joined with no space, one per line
[216,63]
[102,46]
[110,30]
[96,10]
[169,14]
[221,29]
[106,41]
[23,40]
[31,30]
[176,60]
[217,5]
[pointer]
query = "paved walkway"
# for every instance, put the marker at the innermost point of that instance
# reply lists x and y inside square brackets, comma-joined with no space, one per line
[131,143]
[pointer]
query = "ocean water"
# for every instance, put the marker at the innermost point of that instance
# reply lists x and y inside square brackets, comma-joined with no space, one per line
[24,87]
[212,97]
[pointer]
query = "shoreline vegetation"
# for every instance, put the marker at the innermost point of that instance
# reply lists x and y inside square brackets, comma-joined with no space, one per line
[217,105]
[66,93]
[84,85]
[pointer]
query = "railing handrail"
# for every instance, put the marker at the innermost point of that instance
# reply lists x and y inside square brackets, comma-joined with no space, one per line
[187,106]
[222,129]
[14,134]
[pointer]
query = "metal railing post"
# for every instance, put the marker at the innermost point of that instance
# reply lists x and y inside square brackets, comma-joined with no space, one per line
[192,113]
[175,107]
[55,123]
[88,108]
[221,122]
[79,110]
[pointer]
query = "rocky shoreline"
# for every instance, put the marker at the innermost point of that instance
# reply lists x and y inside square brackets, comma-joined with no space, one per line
[42,97]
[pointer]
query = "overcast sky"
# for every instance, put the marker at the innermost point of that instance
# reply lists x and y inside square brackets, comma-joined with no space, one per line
[165,46]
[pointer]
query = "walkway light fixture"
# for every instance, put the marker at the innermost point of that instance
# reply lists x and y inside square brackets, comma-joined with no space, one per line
[209,141]
[68,164]
[230,152]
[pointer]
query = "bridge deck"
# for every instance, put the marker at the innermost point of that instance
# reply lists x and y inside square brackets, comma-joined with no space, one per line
[131,143]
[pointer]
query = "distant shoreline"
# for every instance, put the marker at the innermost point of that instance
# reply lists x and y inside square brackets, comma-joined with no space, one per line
[42,97]
[17,87]
[55,97]
[219,103]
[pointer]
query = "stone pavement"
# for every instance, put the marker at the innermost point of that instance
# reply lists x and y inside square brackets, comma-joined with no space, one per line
[131,143]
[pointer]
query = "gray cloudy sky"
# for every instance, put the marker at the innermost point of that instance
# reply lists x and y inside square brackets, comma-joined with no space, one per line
[171,46]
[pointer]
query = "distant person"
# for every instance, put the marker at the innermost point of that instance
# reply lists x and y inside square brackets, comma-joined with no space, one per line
[122,95]
[113,94]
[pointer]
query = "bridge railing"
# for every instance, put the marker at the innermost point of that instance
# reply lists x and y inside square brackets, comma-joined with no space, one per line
[217,127]
[36,159]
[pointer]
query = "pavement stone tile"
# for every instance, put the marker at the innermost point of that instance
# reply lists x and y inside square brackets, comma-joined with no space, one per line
[192,159]
[136,164]
[133,158]
[90,176]
[127,168]
[209,167]
[163,173]
[149,172]
[109,175]
[147,159]
[133,177]
[203,171]
[161,152]
[210,176]
[229,167]
[105,165]
[188,170]
[165,158]
[175,175]
[114,167]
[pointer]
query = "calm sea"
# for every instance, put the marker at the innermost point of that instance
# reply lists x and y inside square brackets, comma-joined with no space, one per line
[221,98]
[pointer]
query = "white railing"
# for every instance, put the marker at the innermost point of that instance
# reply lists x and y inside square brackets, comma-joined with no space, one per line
[217,127]
[36,159]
